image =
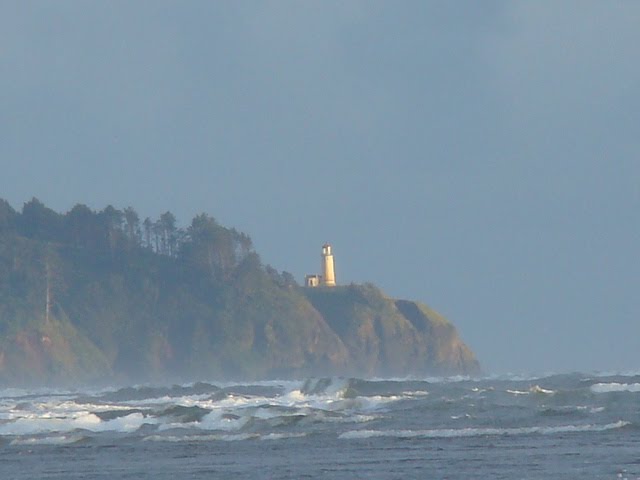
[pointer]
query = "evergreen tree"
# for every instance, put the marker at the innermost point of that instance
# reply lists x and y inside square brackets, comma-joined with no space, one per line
[132,221]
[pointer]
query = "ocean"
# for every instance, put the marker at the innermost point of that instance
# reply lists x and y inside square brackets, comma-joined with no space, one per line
[555,426]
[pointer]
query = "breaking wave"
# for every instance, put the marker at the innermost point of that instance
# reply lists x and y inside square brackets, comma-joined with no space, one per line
[85,421]
[534,389]
[615,387]
[348,408]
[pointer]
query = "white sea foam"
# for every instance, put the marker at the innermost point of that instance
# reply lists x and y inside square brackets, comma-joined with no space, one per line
[54,440]
[415,393]
[234,437]
[332,398]
[615,387]
[32,424]
[179,438]
[539,389]
[222,437]
[482,390]
[128,423]
[201,438]
[580,408]
[458,417]
[233,412]
[361,404]
[217,420]
[475,432]
[518,392]
[333,387]
[532,389]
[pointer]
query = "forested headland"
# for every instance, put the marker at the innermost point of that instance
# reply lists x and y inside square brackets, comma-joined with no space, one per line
[105,296]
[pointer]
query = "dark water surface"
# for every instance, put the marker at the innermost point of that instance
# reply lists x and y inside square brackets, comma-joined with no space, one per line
[559,426]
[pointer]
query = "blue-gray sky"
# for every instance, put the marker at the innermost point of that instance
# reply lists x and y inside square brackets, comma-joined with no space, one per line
[483,157]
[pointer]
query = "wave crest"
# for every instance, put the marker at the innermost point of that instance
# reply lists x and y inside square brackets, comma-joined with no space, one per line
[615,387]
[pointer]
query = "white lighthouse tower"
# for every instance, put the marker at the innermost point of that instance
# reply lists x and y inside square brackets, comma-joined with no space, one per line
[328,272]
[328,276]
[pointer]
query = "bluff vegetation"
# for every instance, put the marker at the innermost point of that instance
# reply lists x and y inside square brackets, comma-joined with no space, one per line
[91,296]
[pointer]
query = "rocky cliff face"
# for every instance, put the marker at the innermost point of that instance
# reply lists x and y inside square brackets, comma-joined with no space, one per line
[347,331]
[386,337]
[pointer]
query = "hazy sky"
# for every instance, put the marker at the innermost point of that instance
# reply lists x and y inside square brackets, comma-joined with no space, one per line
[483,157]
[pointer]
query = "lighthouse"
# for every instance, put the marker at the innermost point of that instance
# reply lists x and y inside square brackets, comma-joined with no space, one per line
[328,272]
[328,276]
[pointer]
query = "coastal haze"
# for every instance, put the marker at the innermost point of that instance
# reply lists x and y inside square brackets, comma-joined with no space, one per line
[482,158]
